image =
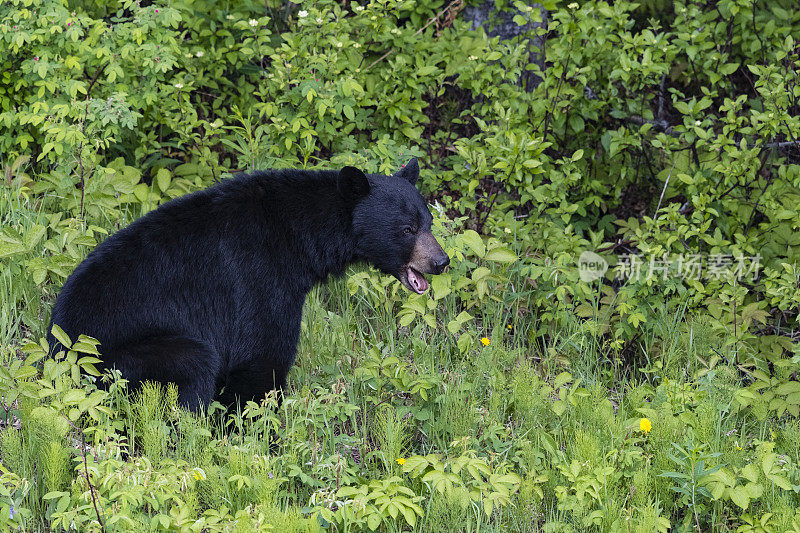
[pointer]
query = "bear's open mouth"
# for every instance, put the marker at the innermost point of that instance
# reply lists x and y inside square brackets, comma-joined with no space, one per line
[414,280]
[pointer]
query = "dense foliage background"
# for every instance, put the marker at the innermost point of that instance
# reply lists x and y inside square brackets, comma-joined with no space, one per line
[517,395]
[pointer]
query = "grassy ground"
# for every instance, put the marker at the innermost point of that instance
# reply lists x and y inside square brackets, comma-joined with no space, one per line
[396,428]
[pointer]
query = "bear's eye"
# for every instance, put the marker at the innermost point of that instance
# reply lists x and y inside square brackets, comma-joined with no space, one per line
[410,230]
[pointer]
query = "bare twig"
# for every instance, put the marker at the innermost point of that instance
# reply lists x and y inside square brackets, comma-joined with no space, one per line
[94,80]
[783,145]
[665,187]
[86,473]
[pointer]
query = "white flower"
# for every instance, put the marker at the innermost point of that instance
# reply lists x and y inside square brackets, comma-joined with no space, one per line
[338,45]
[302,13]
[253,23]
[359,8]
[697,123]
[179,86]
[199,53]
[319,20]
[356,45]
[473,58]
[508,230]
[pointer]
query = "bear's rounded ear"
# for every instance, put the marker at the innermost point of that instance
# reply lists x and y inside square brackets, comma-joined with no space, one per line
[410,171]
[352,184]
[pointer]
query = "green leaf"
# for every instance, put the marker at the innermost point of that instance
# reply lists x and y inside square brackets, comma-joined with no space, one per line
[9,249]
[464,342]
[474,241]
[141,192]
[61,337]
[501,254]
[373,521]
[163,179]
[562,379]
[480,273]
[740,497]
[440,286]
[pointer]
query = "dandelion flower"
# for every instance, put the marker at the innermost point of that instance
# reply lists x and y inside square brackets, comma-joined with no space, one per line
[645,425]
[401,461]
[485,341]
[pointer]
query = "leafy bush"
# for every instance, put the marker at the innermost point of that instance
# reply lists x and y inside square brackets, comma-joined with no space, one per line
[518,394]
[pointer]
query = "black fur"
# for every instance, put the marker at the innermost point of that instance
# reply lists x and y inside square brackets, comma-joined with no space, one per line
[207,290]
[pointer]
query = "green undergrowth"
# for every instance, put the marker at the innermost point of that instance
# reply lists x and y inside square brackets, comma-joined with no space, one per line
[651,385]
[472,424]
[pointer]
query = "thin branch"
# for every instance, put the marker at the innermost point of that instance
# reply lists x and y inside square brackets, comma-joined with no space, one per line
[94,80]
[783,145]
[86,473]
[665,187]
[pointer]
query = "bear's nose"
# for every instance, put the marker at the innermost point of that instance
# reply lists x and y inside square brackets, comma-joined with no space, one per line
[441,264]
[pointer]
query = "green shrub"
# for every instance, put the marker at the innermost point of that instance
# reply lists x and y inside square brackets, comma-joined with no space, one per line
[659,130]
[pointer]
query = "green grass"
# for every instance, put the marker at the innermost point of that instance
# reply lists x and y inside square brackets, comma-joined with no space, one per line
[560,412]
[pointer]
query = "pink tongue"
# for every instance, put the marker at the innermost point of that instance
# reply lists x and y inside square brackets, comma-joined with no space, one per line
[417,281]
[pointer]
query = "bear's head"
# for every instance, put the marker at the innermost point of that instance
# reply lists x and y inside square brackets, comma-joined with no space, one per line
[392,224]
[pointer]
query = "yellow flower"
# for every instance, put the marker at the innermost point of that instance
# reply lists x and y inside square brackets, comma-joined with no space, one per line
[645,425]
[485,341]
[401,461]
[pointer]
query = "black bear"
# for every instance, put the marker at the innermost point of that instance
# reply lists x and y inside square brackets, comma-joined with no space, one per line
[207,290]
